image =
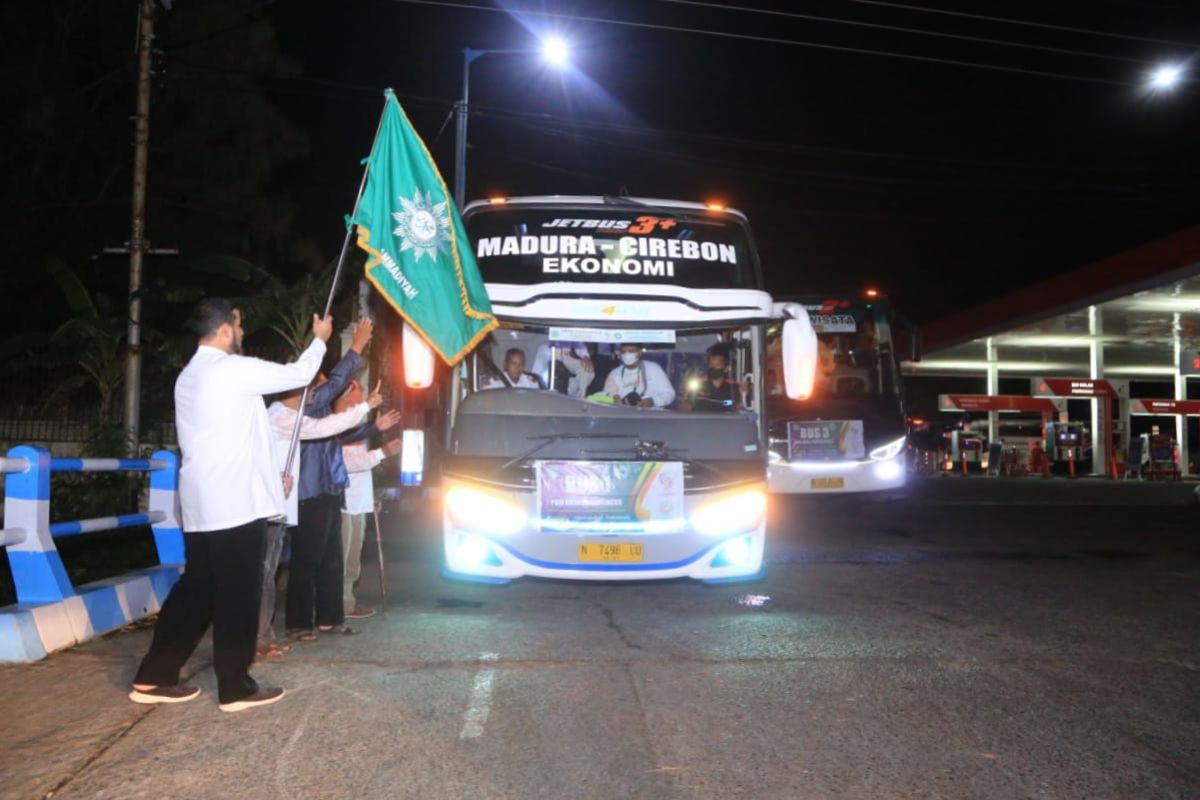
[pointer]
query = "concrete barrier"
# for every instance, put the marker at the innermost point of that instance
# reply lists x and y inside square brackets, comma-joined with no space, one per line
[50,613]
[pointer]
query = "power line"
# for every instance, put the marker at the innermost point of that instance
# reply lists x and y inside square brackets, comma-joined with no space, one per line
[928,183]
[1025,22]
[769,40]
[569,124]
[901,29]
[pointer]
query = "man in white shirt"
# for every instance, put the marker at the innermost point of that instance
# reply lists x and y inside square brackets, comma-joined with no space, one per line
[573,369]
[229,487]
[360,494]
[639,382]
[514,375]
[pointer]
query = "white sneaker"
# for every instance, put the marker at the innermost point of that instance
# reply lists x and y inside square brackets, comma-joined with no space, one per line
[263,697]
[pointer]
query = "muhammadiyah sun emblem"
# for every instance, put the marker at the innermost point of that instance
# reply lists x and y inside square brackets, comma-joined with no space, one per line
[422,226]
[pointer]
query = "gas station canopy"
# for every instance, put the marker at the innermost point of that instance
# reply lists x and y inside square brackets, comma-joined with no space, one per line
[1130,318]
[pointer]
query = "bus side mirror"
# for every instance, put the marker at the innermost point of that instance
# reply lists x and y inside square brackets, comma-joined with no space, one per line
[799,342]
[418,360]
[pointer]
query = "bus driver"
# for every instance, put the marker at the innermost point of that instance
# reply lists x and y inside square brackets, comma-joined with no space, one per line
[514,376]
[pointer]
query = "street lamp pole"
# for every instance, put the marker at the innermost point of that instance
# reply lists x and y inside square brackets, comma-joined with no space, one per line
[460,130]
[554,50]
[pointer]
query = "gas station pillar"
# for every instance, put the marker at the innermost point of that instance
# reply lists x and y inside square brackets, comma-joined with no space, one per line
[993,388]
[1101,437]
[1181,426]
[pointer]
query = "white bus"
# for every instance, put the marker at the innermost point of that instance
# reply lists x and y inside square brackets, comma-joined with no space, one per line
[562,459]
[850,435]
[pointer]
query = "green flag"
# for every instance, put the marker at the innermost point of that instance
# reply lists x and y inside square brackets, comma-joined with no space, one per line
[419,256]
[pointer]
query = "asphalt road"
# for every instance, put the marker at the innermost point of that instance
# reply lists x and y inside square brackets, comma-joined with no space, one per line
[979,639]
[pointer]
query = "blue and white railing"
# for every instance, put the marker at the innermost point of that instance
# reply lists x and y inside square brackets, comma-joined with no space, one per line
[50,613]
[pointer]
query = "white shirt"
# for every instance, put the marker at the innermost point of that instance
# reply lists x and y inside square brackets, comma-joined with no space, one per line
[526,381]
[574,356]
[360,494]
[646,378]
[229,475]
[283,420]
[541,359]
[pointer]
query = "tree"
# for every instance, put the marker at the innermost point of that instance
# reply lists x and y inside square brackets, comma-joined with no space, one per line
[216,143]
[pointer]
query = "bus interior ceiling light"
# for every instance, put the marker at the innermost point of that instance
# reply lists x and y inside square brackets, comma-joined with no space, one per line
[556,51]
[735,512]
[482,511]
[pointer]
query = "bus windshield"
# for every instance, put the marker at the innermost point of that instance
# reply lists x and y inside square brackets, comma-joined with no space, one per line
[605,244]
[663,370]
[855,354]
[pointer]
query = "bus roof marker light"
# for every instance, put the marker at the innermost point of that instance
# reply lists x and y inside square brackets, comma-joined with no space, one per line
[872,293]
[497,201]
[715,206]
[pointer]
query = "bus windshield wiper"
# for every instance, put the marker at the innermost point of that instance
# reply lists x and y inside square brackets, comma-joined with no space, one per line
[558,437]
[658,451]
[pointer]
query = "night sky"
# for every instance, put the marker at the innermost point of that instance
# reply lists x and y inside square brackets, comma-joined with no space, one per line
[941,184]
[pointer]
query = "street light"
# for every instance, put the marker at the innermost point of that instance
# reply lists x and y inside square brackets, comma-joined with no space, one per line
[554,51]
[1166,77]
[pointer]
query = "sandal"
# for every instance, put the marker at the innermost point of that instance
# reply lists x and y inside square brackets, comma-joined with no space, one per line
[272,650]
[303,635]
[342,629]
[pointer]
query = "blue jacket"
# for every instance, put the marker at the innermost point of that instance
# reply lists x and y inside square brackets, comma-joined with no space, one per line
[322,470]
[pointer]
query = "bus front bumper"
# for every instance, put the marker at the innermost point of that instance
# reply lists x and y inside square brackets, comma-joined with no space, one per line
[485,558]
[836,477]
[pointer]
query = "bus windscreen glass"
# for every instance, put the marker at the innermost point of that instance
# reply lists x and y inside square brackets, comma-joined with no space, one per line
[854,349]
[600,244]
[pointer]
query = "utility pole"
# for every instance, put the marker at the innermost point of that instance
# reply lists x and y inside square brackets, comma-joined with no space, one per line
[137,236]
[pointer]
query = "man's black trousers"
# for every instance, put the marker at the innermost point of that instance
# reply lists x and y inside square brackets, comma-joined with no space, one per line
[315,570]
[222,586]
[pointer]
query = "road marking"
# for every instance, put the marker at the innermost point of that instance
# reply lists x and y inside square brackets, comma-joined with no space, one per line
[285,754]
[476,715]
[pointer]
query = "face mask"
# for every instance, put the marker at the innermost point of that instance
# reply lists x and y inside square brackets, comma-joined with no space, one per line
[629,359]
[715,374]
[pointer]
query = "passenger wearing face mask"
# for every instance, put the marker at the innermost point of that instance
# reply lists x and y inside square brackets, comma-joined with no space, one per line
[715,391]
[637,382]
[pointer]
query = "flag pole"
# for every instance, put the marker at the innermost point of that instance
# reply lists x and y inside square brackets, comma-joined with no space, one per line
[379,549]
[337,274]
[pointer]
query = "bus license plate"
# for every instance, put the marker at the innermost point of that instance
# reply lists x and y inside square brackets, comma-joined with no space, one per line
[829,483]
[610,551]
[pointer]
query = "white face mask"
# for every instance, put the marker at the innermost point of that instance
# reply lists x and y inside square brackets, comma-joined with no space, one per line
[629,359]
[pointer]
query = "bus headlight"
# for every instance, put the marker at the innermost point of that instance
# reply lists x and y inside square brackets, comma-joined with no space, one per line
[736,512]
[734,553]
[888,470]
[889,450]
[481,511]
[471,550]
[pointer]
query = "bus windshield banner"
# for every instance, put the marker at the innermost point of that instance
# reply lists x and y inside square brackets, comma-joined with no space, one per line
[827,440]
[697,250]
[610,494]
